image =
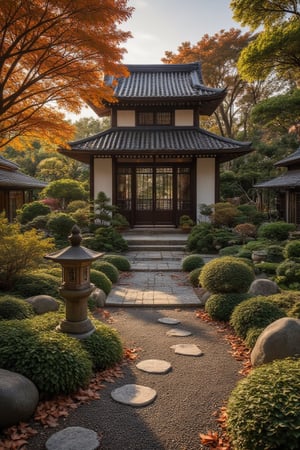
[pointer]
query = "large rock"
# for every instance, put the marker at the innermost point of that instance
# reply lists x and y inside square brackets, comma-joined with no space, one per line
[18,398]
[279,340]
[263,286]
[99,297]
[42,304]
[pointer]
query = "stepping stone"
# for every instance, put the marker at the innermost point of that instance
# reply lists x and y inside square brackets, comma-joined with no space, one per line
[73,438]
[187,349]
[168,321]
[134,395]
[178,333]
[154,366]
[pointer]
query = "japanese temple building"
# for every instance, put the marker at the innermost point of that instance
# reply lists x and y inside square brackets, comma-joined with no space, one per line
[155,162]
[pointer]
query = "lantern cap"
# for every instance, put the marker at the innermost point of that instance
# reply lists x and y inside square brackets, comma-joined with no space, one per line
[75,251]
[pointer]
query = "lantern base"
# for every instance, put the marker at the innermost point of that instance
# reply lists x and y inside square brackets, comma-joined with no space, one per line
[78,330]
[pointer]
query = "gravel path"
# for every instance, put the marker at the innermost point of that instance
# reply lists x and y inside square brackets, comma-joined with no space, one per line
[187,396]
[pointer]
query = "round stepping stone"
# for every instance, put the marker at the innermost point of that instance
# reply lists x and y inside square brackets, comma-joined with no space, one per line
[134,395]
[178,333]
[187,349]
[168,321]
[73,438]
[154,366]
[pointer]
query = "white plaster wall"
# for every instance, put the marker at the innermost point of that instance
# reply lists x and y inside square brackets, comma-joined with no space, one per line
[126,118]
[184,117]
[205,182]
[103,176]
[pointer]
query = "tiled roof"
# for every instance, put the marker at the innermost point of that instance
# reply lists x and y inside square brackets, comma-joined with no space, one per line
[288,179]
[9,165]
[17,180]
[163,81]
[289,160]
[174,139]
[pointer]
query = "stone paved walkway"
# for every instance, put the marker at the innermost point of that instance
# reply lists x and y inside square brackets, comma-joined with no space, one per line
[156,279]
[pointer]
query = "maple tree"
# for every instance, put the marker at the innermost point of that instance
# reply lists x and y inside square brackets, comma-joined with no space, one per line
[276,46]
[218,55]
[53,54]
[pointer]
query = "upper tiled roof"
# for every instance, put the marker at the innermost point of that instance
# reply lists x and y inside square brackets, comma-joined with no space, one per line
[289,160]
[163,81]
[289,179]
[176,140]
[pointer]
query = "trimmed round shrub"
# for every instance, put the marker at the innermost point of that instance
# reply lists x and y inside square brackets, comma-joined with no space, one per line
[192,262]
[107,239]
[100,280]
[252,336]
[201,238]
[14,308]
[264,409]
[104,347]
[109,269]
[119,261]
[295,311]
[226,275]
[274,253]
[259,244]
[194,276]
[31,210]
[39,223]
[276,231]
[289,271]
[285,300]
[76,204]
[268,268]
[53,361]
[292,250]
[244,253]
[28,285]
[233,250]
[220,306]
[256,312]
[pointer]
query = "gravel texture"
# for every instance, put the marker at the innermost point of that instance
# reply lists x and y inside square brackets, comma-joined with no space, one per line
[187,396]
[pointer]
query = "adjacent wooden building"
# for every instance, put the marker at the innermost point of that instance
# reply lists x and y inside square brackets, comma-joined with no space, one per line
[16,188]
[155,162]
[287,188]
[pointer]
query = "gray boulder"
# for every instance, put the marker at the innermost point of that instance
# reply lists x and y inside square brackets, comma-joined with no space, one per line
[279,340]
[263,286]
[99,297]
[42,304]
[18,398]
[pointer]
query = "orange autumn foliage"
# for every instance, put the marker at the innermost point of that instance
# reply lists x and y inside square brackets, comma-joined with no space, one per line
[53,55]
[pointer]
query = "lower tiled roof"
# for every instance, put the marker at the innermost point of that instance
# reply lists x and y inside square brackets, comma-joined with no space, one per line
[175,139]
[289,179]
[17,180]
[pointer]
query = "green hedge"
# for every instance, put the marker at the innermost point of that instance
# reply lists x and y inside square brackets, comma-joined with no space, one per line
[275,231]
[264,409]
[28,285]
[100,280]
[108,269]
[119,261]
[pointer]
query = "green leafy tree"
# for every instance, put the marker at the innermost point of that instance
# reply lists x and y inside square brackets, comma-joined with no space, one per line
[88,126]
[65,190]
[19,252]
[276,46]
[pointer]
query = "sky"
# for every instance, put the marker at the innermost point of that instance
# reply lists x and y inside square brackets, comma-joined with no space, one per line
[162,25]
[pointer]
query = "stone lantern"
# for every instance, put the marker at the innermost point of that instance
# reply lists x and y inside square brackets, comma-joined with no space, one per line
[76,287]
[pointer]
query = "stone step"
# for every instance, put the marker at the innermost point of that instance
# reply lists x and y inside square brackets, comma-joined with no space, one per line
[151,247]
[157,241]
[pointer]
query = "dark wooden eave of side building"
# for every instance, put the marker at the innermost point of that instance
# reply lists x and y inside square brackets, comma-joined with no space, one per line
[12,179]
